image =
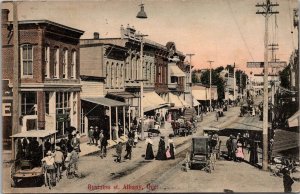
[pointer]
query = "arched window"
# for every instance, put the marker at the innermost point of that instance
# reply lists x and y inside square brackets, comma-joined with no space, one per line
[112,76]
[108,74]
[47,61]
[117,74]
[56,63]
[65,63]
[73,65]
[26,60]
[121,75]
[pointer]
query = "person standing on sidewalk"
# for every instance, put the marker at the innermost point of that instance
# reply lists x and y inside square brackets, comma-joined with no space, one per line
[129,145]
[96,135]
[91,135]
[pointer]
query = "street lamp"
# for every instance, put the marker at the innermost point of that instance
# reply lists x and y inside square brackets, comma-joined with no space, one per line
[142,14]
[142,84]
[210,84]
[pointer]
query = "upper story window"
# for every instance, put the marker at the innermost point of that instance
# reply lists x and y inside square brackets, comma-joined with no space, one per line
[47,61]
[108,79]
[27,60]
[73,65]
[56,63]
[65,63]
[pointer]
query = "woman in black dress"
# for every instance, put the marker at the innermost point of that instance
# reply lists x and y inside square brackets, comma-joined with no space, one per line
[161,153]
[149,150]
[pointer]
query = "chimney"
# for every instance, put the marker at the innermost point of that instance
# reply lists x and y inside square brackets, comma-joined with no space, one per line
[96,35]
[4,18]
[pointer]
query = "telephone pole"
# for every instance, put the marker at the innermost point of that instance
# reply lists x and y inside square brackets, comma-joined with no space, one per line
[267,12]
[190,80]
[210,84]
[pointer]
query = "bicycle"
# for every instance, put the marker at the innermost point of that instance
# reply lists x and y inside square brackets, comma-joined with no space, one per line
[49,175]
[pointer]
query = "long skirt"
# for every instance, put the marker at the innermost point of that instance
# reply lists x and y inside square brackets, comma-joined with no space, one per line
[149,152]
[161,154]
[172,151]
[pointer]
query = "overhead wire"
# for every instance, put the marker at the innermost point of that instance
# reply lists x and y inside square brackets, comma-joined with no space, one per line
[239,29]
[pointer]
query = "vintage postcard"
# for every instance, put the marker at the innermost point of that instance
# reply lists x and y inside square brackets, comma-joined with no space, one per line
[138,96]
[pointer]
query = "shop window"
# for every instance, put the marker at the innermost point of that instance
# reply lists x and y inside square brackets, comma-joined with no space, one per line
[28,103]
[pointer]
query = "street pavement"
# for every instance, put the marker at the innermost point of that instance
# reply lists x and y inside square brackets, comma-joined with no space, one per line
[138,175]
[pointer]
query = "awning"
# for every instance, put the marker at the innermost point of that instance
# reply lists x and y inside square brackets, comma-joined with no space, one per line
[152,101]
[199,94]
[285,140]
[105,101]
[184,103]
[293,121]
[125,95]
[195,102]
[35,133]
[176,101]
[175,71]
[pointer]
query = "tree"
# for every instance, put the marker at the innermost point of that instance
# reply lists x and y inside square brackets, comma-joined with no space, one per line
[216,80]
[284,77]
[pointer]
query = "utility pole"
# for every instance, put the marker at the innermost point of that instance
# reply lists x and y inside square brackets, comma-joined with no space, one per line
[15,121]
[273,48]
[267,12]
[234,81]
[190,55]
[142,85]
[210,84]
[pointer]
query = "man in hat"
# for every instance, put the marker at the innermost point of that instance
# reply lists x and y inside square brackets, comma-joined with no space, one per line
[58,158]
[49,164]
[96,135]
[91,135]
[229,147]
[119,148]
[287,181]
[103,144]
[129,145]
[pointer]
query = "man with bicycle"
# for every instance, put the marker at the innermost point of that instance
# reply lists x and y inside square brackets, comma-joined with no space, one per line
[49,166]
[58,158]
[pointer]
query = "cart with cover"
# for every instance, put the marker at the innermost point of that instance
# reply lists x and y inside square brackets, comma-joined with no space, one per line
[201,153]
[27,162]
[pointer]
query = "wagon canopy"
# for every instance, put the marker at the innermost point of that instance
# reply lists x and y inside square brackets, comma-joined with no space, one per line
[35,133]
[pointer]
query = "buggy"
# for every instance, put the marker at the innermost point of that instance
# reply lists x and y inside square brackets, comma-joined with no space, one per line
[201,154]
[24,168]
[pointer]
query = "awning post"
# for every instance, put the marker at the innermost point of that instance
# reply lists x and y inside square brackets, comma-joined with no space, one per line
[124,120]
[110,134]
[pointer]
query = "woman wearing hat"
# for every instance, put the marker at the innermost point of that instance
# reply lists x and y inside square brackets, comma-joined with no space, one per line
[161,153]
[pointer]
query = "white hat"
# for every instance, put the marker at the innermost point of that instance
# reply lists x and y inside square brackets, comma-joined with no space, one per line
[49,153]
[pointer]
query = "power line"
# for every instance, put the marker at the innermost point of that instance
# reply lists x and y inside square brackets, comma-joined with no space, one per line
[231,11]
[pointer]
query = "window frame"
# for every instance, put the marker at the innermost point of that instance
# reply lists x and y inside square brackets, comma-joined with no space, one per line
[27,60]
[56,63]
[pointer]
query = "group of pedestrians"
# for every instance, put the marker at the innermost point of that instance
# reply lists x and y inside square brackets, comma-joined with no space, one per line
[235,148]
[164,151]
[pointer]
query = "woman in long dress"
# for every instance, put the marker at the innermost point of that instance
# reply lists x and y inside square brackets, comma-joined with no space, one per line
[149,150]
[239,152]
[161,153]
[171,147]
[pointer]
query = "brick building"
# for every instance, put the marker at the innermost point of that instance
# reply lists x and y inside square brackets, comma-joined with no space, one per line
[49,83]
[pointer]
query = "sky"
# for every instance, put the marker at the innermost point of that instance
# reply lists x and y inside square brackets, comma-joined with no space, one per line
[223,31]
